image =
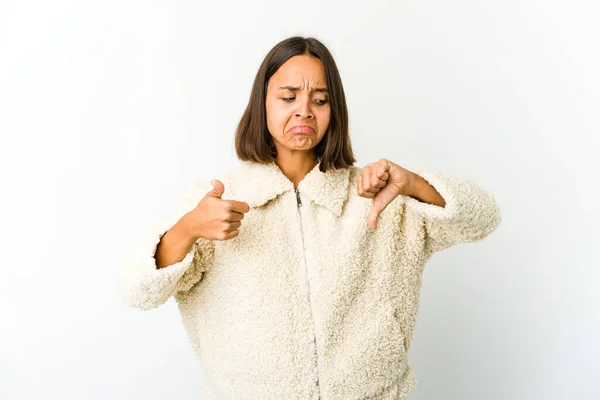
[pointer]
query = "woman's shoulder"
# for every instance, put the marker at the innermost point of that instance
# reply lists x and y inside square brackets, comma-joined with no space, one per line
[354,172]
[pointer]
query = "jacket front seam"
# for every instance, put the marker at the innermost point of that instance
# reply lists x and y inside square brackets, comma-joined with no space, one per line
[299,204]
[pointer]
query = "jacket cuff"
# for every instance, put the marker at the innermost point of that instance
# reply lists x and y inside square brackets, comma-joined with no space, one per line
[141,285]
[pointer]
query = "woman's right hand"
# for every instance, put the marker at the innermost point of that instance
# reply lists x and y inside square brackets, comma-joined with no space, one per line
[214,218]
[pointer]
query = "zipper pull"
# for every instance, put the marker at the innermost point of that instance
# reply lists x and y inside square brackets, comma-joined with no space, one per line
[298,201]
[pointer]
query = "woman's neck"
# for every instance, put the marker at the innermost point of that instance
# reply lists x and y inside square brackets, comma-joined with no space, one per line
[295,168]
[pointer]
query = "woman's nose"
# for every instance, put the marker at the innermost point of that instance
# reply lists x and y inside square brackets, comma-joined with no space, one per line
[304,109]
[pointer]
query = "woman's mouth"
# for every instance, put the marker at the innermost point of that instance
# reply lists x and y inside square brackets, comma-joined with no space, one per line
[302,129]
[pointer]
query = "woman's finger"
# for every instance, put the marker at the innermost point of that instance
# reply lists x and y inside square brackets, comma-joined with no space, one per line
[364,188]
[232,226]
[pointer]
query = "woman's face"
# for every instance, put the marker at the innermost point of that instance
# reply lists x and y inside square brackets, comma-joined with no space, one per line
[297,104]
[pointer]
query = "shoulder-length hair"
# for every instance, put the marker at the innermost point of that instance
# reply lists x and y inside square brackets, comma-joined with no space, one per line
[253,142]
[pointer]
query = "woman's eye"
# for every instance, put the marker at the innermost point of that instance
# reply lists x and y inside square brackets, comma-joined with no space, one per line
[318,101]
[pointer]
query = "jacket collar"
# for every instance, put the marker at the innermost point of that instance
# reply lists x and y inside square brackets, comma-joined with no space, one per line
[263,182]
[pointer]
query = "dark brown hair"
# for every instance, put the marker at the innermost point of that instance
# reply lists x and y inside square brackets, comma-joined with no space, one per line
[253,142]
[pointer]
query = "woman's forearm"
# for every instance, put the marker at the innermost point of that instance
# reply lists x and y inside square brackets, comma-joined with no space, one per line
[174,245]
[421,190]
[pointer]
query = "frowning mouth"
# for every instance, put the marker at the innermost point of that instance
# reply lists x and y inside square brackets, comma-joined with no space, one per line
[302,129]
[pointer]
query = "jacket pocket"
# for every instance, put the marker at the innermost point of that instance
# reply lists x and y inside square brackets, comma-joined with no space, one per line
[373,356]
[398,321]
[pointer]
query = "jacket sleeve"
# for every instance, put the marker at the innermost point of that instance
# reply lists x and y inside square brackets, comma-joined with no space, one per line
[140,284]
[471,213]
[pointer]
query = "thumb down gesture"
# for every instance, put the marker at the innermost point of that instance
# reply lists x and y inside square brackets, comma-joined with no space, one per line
[382,181]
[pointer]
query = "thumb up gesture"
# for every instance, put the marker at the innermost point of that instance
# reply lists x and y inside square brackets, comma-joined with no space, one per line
[214,218]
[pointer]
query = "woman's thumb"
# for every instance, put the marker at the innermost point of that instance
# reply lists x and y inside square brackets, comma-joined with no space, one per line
[218,188]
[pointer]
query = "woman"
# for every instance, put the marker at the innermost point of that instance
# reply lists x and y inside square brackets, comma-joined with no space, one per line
[298,274]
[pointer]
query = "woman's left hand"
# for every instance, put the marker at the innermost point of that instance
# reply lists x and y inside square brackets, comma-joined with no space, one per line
[383,181]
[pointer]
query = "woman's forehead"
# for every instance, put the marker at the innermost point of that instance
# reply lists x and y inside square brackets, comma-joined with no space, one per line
[299,72]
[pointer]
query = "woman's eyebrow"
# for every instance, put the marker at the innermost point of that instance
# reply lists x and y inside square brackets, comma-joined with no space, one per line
[295,88]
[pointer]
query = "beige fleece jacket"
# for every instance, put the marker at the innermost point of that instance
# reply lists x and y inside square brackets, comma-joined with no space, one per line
[307,302]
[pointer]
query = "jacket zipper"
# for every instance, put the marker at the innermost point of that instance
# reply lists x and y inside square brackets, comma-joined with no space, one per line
[299,204]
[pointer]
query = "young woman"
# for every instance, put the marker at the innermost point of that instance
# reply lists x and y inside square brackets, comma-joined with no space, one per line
[298,274]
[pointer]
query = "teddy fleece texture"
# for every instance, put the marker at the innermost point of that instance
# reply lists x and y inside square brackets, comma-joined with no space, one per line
[307,302]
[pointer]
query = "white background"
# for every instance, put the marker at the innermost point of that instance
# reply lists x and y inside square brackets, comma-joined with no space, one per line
[108,108]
